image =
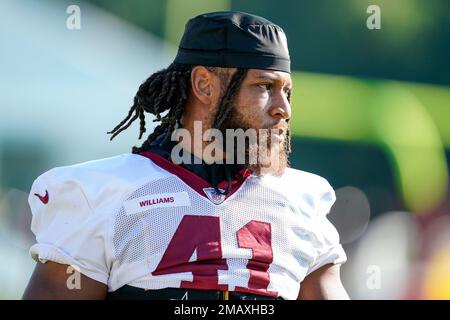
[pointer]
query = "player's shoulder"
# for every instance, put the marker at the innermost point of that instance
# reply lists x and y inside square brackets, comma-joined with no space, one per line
[113,176]
[308,190]
[126,167]
[304,180]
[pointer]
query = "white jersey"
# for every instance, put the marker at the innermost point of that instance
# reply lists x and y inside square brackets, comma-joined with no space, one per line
[142,221]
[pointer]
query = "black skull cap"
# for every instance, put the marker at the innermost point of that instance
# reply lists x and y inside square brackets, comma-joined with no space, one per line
[232,39]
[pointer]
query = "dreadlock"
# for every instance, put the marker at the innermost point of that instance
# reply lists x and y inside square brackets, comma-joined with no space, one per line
[164,90]
[168,89]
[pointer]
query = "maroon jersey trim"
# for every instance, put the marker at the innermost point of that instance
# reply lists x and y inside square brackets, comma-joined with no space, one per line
[191,179]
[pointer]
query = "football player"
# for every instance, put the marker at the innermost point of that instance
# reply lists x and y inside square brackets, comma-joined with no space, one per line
[145,225]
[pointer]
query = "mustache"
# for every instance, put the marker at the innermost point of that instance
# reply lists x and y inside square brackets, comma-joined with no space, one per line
[280,128]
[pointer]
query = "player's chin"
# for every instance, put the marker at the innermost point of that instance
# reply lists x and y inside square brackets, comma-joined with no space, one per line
[275,166]
[277,137]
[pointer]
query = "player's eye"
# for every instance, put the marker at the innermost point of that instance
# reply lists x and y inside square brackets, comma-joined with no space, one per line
[265,86]
[288,92]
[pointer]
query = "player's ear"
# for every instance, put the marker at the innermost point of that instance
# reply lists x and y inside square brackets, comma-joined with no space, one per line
[203,85]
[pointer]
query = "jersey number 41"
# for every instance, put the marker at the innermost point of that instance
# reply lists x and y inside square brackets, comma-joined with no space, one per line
[202,234]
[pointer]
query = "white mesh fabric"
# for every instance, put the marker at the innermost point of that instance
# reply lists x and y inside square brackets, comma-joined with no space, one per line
[140,239]
[129,245]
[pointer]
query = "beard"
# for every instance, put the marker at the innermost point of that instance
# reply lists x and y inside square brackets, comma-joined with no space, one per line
[267,154]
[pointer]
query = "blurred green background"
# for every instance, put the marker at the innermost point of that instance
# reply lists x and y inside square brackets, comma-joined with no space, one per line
[371,113]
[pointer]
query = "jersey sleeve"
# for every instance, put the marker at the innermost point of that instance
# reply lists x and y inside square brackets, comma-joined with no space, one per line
[67,229]
[326,238]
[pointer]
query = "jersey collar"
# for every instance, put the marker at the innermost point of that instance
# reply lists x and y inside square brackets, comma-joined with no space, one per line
[200,185]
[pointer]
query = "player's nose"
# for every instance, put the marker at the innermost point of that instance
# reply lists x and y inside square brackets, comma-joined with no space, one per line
[281,108]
